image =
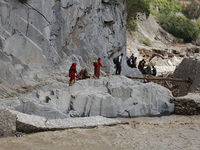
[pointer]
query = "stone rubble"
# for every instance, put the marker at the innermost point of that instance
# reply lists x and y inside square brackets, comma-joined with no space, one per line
[187,105]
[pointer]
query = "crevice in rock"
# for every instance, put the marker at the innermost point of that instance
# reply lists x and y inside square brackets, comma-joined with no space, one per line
[37,12]
[47,99]
[101,104]
[90,108]
[108,23]
[84,112]
[1,44]
[71,106]
[128,113]
[27,27]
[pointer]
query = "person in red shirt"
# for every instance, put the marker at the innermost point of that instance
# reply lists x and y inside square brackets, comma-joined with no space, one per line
[72,72]
[97,68]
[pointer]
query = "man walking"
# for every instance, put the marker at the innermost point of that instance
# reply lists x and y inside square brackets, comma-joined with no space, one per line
[118,64]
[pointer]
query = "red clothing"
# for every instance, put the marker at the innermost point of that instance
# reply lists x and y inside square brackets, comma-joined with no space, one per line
[72,72]
[97,68]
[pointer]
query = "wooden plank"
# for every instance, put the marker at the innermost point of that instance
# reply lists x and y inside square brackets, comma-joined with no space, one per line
[189,80]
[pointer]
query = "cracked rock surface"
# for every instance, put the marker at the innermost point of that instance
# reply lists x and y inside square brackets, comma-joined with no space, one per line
[109,97]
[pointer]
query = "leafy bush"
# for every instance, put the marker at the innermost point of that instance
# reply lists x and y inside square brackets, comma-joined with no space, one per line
[180,27]
[141,41]
[131,24]
[166,6]
[191,11]
[135,6]
[147,42]
[198,24]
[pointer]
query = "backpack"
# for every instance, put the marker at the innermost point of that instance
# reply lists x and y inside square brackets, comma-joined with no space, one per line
[115,60]
[94,63]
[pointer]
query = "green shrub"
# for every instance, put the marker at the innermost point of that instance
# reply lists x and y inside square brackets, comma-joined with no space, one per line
[198,24]
[180,27]
[147,42]
[141,41]
[166,6]
[192,10]
[131,24]
[180,41]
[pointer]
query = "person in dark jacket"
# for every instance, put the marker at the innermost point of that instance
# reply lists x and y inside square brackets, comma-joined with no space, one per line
[154,71]
[118,64]
[141,65]
[134,62]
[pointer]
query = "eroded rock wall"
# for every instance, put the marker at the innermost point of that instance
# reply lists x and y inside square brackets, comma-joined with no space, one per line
[56,33]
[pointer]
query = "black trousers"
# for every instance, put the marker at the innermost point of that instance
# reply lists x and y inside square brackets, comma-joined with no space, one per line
[118,69]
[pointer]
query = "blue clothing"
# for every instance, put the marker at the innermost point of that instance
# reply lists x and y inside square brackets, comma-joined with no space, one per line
[154,71]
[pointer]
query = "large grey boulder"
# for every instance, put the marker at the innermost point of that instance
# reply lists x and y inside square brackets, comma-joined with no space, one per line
[119,96]
[189,67]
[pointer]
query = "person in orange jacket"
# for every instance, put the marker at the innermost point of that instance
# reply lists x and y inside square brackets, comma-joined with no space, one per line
[97,66]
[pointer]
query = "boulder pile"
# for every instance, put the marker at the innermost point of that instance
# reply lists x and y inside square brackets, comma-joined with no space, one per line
[187,105]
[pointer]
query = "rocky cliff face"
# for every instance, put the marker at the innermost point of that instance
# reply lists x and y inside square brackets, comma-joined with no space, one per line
[55,33]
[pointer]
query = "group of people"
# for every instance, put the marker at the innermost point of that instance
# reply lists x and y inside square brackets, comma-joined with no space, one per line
[118,62]
[73,71]
[97,64]
[132,61]
[147,69]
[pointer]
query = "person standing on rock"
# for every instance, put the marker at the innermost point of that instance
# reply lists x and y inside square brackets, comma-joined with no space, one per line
[118,64]
[72,72]
[97,66]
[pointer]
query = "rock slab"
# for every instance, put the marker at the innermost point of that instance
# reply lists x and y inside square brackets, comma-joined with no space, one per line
[30,123]
[7,123]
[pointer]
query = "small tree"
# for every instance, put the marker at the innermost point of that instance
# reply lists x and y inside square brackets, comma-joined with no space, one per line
[133,7]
